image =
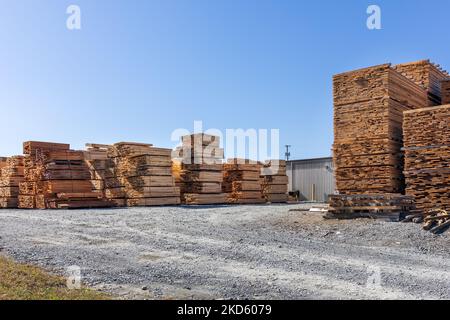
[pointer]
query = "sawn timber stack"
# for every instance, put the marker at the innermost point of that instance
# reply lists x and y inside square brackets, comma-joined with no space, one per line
[142,176]
[274,181]
[368,115]
[242,182]
[197,167]
[11,170]
[427,75]
[100,166]
[427,157]
[56,178]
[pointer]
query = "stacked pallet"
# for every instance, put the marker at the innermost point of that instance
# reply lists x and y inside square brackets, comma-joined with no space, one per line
[368,115]
[427,157]
[274,181]
[11,175]
[56,177]
[445,91]
[242,182]
[391,207]
[197,167]
[139,174]
[426,74]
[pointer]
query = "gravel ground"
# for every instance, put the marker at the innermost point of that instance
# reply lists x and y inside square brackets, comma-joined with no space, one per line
[239,252]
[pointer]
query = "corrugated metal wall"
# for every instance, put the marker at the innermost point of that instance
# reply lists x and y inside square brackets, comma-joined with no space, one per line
[313,178]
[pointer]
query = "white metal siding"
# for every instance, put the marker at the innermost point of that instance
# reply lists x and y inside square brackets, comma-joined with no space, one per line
[306,175]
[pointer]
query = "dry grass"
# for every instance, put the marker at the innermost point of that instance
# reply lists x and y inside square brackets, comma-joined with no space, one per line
[25,282]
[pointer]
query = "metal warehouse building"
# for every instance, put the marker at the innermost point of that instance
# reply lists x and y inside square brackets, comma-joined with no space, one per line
[312,178]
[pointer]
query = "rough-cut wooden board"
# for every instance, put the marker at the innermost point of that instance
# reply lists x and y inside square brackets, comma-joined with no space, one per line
[203,199]
[153,201]
[31,147]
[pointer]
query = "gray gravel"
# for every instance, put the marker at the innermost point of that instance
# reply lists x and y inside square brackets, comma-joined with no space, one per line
[239,252]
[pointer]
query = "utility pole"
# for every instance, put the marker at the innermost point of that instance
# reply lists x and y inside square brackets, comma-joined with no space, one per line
[287,154]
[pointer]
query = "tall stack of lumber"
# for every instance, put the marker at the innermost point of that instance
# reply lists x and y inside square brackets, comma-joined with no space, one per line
[368,116]
[445,91]
[142,176]
[242,182]
[56,177]
[274,181]
[99,164]
[11,170]
[427,157]
[197,167]
[428,75]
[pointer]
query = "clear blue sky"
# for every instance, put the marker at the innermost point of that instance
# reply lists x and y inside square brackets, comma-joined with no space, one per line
[137,70]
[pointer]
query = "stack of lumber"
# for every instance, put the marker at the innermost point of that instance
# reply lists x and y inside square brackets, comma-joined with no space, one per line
[445,91]
[427,157]
[11,170]
[139,174]
[368,115]
[56,177]
[274,181]
[242,182]
[3,162]
[197,167]
[391,207]
[100,166]
[426,74]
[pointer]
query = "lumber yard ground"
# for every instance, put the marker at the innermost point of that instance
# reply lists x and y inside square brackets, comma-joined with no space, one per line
[231,252]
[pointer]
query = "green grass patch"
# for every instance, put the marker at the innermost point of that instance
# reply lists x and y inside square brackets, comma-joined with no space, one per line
[26,282]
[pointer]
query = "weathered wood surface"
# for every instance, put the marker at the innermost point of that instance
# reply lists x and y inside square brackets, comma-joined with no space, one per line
[368,128]
[427,157]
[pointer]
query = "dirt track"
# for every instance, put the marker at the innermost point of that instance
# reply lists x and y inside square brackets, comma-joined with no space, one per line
[254,252]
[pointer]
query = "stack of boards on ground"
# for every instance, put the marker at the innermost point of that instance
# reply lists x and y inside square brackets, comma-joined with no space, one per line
[11,170]
[274,181]
[100,166]
[368,114]
[242,182]
[391,207]
[197,167]
[427,75]
[56,177]
[427,157]
[139,174]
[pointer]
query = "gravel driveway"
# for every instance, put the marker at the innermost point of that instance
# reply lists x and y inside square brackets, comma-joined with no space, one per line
[240,252]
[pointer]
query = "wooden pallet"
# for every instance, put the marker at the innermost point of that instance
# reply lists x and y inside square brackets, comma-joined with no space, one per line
[391,207]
